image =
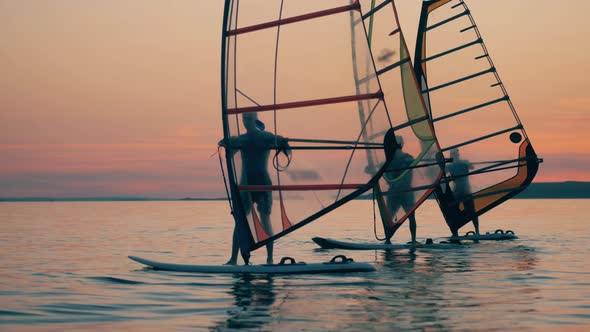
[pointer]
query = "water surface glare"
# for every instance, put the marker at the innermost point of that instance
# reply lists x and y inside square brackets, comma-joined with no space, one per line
[65,267]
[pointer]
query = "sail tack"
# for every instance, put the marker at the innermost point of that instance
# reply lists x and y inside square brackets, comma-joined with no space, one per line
[491,156]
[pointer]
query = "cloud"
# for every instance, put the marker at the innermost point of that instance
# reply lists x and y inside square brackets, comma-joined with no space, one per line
[121,183]
[147,146]
[304,174]
[150,169]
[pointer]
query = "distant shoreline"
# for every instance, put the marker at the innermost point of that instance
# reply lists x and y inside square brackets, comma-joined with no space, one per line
[540,190]
[568,189]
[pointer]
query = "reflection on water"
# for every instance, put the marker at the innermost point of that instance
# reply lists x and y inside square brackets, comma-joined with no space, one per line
[65,267]
[254,298]
[413,290]
[524,258]
[415,302]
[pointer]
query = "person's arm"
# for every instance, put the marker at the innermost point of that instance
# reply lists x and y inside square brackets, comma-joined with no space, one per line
[232,143]
[373,170]
[284,145]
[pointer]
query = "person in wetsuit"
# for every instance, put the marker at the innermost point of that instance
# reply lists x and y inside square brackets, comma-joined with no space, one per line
[459,168]
[255,146]
[399,177]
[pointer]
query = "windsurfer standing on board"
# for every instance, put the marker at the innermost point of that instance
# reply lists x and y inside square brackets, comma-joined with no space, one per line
[399,177]
[459,168]
[255,146]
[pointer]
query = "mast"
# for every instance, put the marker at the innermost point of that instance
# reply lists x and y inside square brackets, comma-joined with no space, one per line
[245,239]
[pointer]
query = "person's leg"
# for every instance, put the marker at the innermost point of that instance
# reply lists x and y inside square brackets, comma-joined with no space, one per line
[265,220]
[264,207]
[476,224]
[412,218]
[408,204]
[470,205]
[459,208]
[269,252]
[393,205]
[234,249]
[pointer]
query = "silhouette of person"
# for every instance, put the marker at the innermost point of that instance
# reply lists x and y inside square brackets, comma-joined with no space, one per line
[255,146]
[399,177]
[459,168]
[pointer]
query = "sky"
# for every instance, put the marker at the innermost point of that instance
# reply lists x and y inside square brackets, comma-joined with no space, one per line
[122,97]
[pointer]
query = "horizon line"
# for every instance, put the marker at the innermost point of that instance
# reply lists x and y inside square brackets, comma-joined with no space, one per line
[526,194]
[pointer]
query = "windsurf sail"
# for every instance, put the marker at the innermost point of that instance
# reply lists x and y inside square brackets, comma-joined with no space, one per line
[475,120]
[415,169]
[290,114]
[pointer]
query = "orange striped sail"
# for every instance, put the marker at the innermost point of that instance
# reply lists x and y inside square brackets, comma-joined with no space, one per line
[491,158]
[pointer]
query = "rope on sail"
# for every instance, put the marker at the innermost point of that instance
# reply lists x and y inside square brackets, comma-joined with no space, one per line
[248,97]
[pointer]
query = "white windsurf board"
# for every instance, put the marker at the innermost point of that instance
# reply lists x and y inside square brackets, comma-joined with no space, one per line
[335,244]
[496,236]
[334,266]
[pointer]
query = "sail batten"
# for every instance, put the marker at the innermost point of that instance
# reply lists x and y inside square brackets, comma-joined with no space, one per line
[311,140]
[303,187]
[403,125]
[307,103]
[455,49]
[377,8]
[468,28]
[450,19]
[496,168]
[384,70]
[469,109]
[407,190]
[331,147]
[391,170]
[290,20]
[393,66]
[457,5]
[475,140]
[459,80]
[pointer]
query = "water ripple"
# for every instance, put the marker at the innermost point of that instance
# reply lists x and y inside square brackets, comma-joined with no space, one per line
[538,282]
[116,280]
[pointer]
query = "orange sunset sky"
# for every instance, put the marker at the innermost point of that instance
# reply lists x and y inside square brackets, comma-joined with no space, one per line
[122,97]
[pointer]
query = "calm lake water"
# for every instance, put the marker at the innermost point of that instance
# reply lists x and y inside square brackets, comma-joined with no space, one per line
[65,267]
